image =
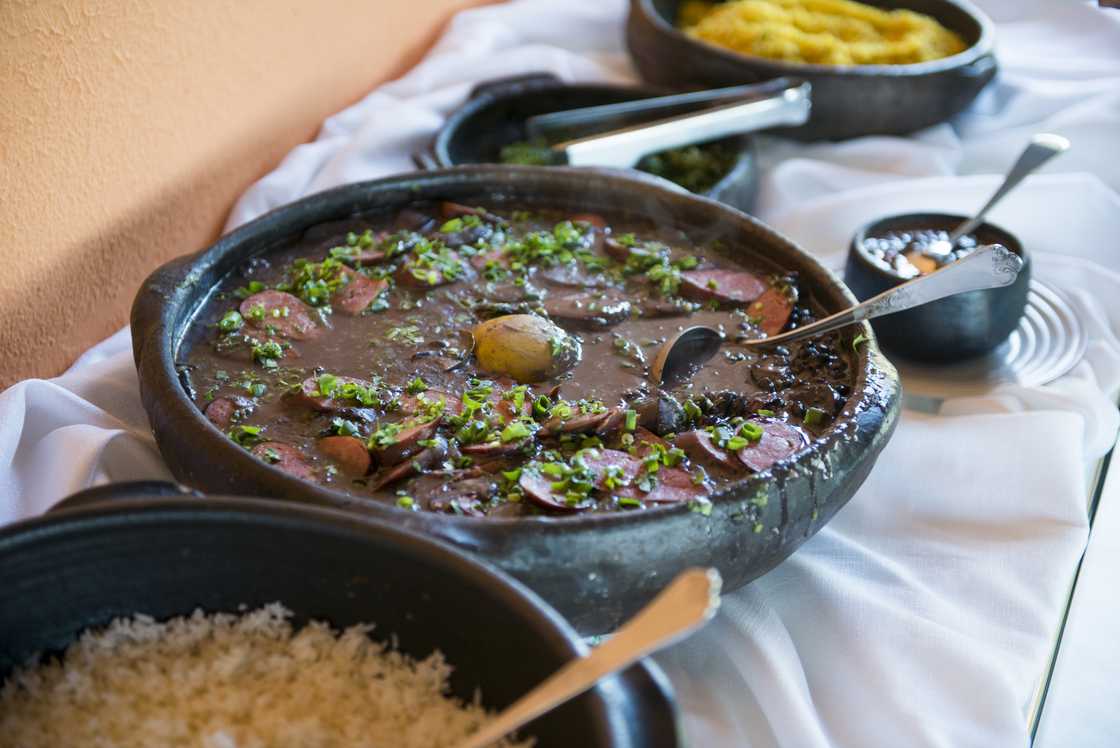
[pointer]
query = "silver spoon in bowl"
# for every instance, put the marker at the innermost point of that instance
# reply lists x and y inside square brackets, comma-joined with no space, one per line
[988,266]
[1043,147]
[690,601]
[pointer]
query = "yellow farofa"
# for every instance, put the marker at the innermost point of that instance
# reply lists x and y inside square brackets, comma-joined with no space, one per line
[823,32]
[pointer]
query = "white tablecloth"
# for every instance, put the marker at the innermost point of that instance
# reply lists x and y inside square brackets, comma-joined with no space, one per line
[924,613]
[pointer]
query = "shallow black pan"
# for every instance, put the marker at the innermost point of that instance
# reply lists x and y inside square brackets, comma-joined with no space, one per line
[848,101]
[124,549]
[494,116]
[595,569]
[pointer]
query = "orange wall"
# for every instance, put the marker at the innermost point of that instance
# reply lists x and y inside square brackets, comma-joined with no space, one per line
[128,127]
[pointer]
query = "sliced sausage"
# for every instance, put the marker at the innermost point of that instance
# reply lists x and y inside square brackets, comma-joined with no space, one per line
[424,460]
[453,492]
[494,449]
[355,296]
[308,394]
[349,452]
[599,460]
[578,423]
[617,251]
[287,458]
[672,486]
[221,411]
[410,405]
[662,307]
[449,209]
[574,274]
[660,413]
[702,450]
[779,440]
[593,219]
[283,315]
[588,310]
[725,286]
[772,310]
[406,277]
[480,260]
[508,410]
[645,441]
[538,489]
[615,420]
[413,220]
[406,443]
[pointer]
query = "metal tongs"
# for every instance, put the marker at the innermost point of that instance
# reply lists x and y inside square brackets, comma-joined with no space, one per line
[751,108]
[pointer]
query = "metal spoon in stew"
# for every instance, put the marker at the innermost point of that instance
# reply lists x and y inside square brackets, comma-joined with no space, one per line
[690,601]
[989,266]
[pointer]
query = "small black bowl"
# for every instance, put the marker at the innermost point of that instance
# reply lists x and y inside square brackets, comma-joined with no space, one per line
[138,548]
[494,116]
[951,329]
[848,101]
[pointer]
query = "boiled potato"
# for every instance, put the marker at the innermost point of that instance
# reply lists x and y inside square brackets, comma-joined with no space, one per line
[524,346]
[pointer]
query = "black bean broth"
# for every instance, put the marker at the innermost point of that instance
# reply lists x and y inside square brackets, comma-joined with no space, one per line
[457,360]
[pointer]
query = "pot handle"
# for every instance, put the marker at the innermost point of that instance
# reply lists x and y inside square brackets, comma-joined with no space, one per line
[514,84]
[983,68]
[425,160]
[113,492]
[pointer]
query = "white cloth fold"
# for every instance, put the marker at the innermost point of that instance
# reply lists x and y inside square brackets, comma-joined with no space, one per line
[924,613]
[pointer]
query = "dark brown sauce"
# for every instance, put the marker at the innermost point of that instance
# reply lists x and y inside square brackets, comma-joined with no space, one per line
[596,437]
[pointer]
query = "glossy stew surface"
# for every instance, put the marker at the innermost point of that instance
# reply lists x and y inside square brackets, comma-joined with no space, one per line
[457,360]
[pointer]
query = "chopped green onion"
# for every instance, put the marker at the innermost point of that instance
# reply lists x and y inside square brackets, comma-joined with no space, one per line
[815,416]
[515,431]
[245,435]
[231,321]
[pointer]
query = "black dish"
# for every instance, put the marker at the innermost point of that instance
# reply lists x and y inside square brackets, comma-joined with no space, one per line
[596,569]
[847,101]
[120,551]
[952,329]
[495,114]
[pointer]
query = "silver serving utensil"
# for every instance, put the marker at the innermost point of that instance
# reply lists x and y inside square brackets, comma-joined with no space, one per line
[625,147]
[690,601]
[989,266]
[570,123]
[1043,147]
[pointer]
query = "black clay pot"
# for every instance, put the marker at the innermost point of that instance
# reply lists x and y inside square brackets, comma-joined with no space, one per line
[120,551]
[596,569]
[951,329]
[848,101]
[494,116]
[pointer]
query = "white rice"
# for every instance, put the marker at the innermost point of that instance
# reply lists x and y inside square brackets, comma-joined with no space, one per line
[228,681]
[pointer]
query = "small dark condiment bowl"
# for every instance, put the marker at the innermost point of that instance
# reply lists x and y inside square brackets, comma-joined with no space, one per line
[848,101]
[494,116]
[124,549]
[951,329]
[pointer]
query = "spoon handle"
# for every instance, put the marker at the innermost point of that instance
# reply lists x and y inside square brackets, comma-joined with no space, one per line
[1043,147]
[687,603]
[989,266]
[626,146]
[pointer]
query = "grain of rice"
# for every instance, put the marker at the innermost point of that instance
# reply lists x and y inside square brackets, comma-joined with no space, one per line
[234,681]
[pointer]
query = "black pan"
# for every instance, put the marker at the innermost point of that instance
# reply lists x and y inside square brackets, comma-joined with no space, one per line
[122,550]
[595,569]
[494,116]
